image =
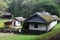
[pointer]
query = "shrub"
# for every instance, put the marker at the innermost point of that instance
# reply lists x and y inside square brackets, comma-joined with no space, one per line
[2,25]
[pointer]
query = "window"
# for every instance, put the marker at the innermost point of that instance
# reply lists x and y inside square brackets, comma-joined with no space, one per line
[36,25]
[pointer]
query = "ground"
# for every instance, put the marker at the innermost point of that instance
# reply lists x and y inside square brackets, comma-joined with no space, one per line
[11,36]
[54,32]
[46,36]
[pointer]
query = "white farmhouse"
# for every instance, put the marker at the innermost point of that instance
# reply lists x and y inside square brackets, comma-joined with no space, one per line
[40,22]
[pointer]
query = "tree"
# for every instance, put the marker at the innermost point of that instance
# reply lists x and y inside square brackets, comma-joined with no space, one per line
[3,6]
[15,7]
[52,9]
[27,7]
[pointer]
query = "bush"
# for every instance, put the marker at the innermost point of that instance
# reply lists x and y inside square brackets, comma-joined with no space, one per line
[2,25]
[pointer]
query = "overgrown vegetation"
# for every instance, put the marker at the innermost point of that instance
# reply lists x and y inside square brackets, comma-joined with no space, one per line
[2,25]
[55,31]
[26,7]
[46,36]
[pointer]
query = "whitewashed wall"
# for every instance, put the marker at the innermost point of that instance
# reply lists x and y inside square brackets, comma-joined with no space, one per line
[43,27]
[16,23]
[31,27]
[51,25]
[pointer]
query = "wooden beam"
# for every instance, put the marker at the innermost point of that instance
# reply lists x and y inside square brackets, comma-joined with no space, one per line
[46,28]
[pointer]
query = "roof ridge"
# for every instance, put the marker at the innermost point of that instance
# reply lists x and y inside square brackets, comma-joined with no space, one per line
[46,17]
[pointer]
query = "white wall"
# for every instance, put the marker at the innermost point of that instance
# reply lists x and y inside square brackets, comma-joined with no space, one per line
[16,23]
[51,25]
[42,27]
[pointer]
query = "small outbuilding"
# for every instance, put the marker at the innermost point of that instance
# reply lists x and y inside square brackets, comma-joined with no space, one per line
[40,21]
[17,21]
[6,15]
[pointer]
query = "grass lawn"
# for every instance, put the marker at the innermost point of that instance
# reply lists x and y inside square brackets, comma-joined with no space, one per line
[10,36]
[55,31]
[46,36]
[4,20]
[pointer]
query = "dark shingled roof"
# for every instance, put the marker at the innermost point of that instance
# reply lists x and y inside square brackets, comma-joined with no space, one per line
[7,13]
[45,15]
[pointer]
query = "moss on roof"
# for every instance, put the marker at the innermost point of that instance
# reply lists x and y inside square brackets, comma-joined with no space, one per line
[46,17]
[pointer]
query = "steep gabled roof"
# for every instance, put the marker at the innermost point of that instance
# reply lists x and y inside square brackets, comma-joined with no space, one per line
[20,18]
[45,16]
[56,17]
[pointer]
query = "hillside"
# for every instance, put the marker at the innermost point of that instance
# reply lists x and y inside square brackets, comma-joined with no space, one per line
[54,32]
[11,36]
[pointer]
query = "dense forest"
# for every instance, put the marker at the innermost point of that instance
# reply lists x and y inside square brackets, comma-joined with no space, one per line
[27,7]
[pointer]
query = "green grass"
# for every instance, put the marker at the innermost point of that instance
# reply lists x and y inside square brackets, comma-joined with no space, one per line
[46,36]
[55,31]
[7,36]
[4,20]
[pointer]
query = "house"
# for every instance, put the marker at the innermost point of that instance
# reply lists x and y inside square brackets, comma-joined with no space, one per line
[6,15]
[15,23]
[40,21]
